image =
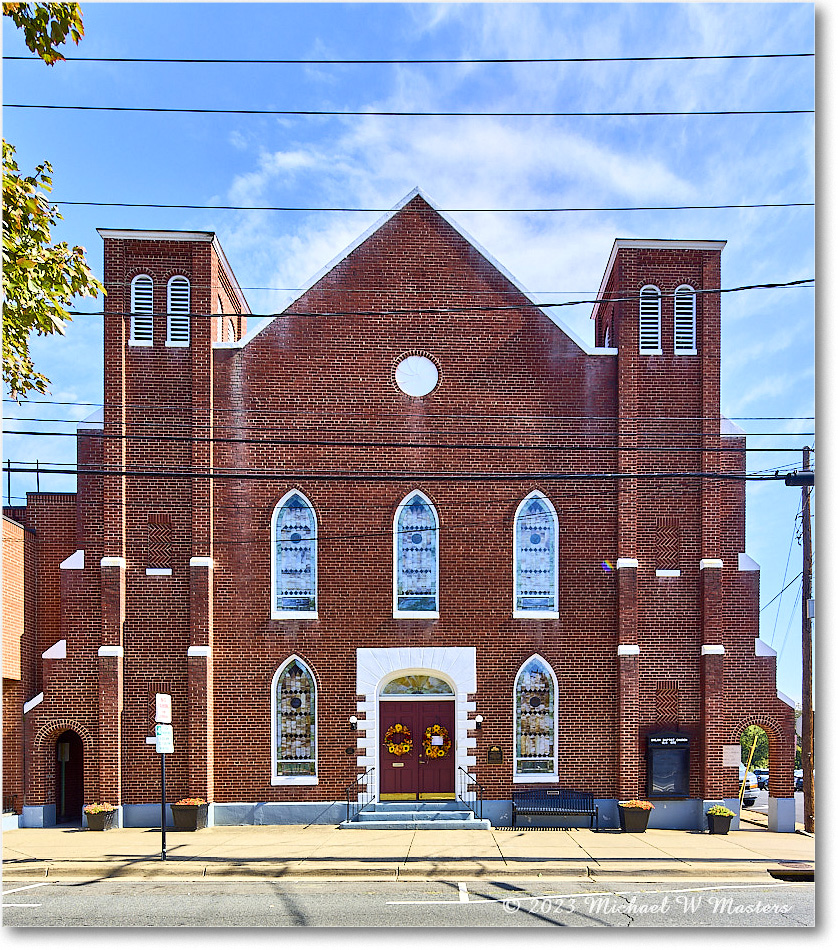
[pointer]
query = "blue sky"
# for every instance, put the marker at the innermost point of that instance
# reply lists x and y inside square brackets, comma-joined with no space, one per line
[768,344]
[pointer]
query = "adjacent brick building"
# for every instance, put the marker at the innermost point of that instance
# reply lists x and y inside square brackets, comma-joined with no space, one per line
[412,529]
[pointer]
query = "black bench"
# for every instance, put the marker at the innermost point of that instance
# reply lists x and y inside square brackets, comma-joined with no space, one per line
[554,801]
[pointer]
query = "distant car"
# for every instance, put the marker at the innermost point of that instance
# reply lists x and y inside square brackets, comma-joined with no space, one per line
[798,779]
[751,787]
[762,777]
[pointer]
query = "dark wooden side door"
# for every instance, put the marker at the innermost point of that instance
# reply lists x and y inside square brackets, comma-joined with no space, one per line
[415,774]
[69,777]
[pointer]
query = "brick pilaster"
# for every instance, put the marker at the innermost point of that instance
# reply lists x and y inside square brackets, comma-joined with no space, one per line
[110,670]
[712,679]
[628,679]
[200,679]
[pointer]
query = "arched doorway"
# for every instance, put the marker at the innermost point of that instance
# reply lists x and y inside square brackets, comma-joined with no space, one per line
[69,777]
[416,716]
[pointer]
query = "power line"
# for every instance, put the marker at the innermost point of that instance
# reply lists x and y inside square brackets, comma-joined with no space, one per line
[413,62]
[354,475]
[129,204]
[406,114]
[470,416]
[454,308]
[779,594]
[470,446]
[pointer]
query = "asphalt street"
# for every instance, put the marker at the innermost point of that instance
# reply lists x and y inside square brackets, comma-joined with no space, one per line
[347,904]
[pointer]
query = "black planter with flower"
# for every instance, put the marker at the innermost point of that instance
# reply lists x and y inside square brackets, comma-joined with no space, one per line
[190,814]
[634,815]
[719,819]
[100,817]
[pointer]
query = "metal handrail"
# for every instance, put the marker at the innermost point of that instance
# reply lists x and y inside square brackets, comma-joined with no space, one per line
[368,794]
[470,792]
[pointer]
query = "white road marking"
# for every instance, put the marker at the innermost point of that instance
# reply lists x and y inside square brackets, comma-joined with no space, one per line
[21,905]
[543,897]
[463,893]
[28,887]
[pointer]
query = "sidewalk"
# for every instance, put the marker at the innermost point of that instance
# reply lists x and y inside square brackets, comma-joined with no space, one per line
[298,851]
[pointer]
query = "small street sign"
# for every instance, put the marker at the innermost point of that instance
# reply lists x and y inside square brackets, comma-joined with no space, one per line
[165,738]
[162,707]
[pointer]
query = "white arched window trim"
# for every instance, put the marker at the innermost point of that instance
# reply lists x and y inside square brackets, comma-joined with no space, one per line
[142,311]
[685,320]
[535,614]
[294,614]
[276,778]
[420,614]
[533,778]
[649,329]
[179,308]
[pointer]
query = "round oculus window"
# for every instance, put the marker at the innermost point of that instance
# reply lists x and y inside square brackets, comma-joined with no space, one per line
[416,376]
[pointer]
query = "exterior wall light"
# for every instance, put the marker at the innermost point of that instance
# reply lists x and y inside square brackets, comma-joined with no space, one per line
[353,723]
[478,719]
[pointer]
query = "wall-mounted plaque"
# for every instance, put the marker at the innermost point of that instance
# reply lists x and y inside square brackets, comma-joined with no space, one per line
[494,755]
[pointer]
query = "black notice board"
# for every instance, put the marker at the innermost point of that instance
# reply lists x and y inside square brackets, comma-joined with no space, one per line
[668,765]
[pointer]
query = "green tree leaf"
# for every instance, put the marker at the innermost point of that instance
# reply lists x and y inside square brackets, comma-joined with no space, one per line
[40,278]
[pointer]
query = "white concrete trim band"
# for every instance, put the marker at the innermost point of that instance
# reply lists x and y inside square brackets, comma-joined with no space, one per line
[202,561]
[199,651]
[712,649]
[112,562]
[111,651]
[710,562]
[58,651]
[628,649]
[626,562]
[35,701]
[75,562]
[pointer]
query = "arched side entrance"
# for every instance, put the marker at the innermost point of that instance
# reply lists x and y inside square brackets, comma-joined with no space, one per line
[69,777]
[781,807]
[43,793]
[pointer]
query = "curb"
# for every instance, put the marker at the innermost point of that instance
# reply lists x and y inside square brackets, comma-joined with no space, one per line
[198,871]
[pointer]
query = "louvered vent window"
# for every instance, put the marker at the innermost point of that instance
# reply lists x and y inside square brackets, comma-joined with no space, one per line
[142,308]
[178,307]
[685,320]
[231,330]
[650,320]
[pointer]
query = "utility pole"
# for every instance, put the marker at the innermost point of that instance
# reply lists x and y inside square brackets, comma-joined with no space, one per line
[808,738]
[806,480]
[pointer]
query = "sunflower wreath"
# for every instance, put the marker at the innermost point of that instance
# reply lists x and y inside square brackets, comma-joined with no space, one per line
[398,739]
[436,751]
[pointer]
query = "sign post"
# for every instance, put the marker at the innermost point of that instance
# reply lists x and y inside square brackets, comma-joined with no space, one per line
[165,743]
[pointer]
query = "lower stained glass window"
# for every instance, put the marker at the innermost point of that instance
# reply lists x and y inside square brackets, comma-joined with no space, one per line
[535,719]
[296,717]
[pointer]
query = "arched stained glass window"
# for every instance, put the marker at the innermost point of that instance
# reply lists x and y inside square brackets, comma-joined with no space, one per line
[295,722]
[416,557]
[294,536]
[536,557]
[417,684]
[535,719]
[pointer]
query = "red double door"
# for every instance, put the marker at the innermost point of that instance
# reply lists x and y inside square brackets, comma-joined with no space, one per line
[417,760]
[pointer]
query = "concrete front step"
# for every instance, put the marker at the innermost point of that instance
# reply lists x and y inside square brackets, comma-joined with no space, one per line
[415,815]
[449,804]
[475,824]
[410,815]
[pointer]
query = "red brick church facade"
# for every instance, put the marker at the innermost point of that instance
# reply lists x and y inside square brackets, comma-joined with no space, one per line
[413,497]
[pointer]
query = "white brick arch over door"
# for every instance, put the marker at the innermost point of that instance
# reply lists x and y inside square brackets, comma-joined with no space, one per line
[377,665]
